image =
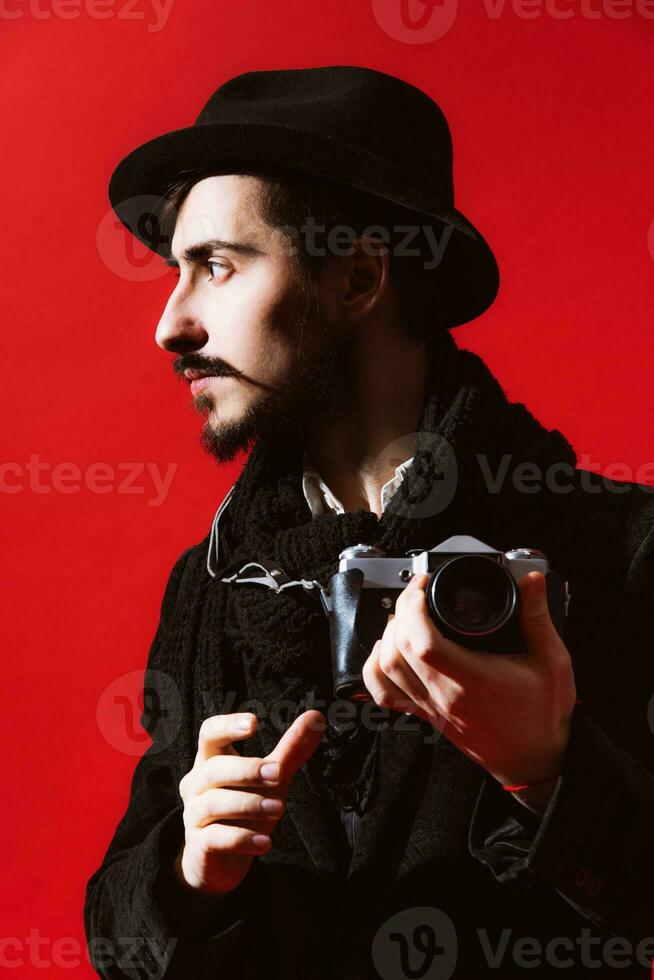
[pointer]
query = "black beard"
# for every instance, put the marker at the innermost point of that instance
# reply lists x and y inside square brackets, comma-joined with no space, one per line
[315,392]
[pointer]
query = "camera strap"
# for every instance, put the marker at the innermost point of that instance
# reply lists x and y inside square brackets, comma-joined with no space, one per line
[263,572]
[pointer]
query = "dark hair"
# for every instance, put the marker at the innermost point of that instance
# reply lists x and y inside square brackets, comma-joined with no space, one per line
[287,200]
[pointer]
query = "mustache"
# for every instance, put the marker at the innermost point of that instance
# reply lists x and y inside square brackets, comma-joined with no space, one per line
[197,362]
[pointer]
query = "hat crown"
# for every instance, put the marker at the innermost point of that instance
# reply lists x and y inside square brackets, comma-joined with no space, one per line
[394,121]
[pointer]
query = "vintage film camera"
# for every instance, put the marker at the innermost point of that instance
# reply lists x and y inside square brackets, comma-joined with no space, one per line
[472,597]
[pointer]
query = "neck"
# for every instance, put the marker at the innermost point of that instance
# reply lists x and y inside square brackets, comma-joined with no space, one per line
[375,430]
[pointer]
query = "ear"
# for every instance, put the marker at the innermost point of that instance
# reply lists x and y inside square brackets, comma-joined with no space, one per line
[360,279]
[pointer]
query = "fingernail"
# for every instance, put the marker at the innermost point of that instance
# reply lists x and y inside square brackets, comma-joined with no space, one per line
[260,840]
[243,722]
[272,806]
[270,770]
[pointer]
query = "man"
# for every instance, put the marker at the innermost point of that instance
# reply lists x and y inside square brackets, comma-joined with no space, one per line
[479,811]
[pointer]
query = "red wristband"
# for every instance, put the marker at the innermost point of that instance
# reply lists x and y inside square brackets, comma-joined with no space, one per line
[541,782]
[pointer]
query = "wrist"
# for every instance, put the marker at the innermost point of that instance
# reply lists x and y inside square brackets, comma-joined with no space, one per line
[533,773]
[534,796]
[192,895]
[188,912]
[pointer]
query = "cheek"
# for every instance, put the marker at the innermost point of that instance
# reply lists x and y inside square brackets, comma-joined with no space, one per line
[254,329]
[263,353]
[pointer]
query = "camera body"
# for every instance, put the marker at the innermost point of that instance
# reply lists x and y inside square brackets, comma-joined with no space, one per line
[472,597]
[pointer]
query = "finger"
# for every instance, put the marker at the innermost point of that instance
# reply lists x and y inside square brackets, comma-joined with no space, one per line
[219,731]
[538,630]
[417,583]
[395,666]
[298,744]
[383,690]
[217,838]
[430,653]
[217,805]
[225,770]
[427,703]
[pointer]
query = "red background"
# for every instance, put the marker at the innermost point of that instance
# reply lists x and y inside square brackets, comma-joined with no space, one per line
[554,154]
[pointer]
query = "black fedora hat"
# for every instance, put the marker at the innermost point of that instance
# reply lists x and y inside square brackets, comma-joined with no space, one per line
[351,125]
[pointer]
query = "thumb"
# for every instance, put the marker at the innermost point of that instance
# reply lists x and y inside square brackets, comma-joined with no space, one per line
[298,743]
[537,626]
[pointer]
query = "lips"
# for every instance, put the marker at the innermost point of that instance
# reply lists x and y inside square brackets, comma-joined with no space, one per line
[192,375]
[198,384]
[199,379]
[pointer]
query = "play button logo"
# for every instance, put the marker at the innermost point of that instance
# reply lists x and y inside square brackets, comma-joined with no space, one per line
[415,21]
[416,944]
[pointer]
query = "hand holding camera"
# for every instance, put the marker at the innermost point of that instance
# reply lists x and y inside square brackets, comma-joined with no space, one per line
[510,714]
[473,644]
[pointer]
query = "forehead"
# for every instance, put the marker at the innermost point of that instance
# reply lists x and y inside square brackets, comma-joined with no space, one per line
[223,207]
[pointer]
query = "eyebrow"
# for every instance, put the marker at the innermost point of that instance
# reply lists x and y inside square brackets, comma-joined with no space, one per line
[201,250]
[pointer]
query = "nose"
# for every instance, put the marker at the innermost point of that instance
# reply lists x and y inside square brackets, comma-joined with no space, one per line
[179,330]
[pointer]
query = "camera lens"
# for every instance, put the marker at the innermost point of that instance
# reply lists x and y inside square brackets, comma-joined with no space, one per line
[472,594]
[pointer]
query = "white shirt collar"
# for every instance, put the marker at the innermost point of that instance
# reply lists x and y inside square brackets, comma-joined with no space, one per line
[322,501]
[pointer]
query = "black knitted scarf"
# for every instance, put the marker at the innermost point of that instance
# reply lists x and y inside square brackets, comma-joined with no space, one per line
[273,647]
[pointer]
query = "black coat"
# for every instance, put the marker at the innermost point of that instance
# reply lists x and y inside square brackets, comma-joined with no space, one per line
[447,867]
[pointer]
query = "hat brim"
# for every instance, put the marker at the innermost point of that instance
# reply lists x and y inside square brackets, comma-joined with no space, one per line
[468,272]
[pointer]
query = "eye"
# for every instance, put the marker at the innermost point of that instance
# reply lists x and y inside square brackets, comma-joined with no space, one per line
[220,265]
